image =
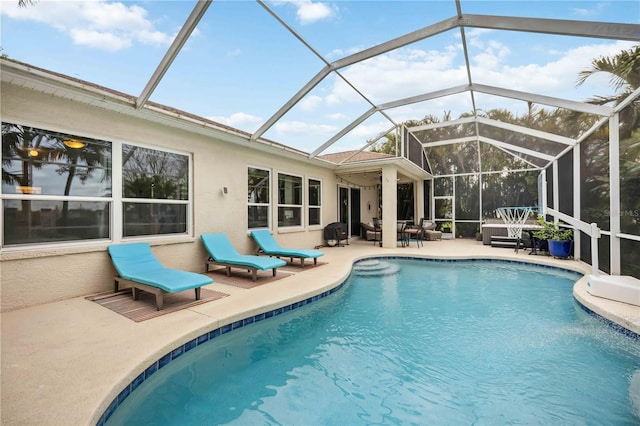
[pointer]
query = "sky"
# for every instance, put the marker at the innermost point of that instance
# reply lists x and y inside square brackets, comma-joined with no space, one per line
[241,65]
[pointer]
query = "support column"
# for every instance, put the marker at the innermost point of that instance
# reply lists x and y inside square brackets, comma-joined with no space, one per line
[389,206]
[556,189]
[419,200]
[614,192]
[576,200]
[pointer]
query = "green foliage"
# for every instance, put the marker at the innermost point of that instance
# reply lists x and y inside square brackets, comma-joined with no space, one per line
[551,231]
[386,146]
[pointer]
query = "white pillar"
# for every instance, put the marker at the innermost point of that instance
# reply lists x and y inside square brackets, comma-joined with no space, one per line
[555,188]
[614,192]
[576,200]
[389,206]
[419,197]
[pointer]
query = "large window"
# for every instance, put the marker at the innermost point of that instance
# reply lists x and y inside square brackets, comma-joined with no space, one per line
[258,197]
[59,187]
[315,202]
[155,191]
[55,187]
[289,200]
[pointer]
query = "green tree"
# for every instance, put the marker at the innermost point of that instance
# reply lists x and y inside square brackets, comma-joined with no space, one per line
[624,74]
[386,146]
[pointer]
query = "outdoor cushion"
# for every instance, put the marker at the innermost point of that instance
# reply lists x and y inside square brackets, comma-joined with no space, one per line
[136,262]
[270,246]
[221,251]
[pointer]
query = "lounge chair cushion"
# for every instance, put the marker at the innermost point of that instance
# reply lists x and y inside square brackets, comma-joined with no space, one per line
[222,251]
[136,262]
[270,246]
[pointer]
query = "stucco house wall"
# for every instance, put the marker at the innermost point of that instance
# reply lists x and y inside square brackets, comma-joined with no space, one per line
[43,274]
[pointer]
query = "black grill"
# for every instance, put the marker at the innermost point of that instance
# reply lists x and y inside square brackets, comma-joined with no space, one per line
[335,233]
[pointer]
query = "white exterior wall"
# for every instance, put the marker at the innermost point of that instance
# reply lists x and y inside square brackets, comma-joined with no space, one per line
[368,198]
[40,275]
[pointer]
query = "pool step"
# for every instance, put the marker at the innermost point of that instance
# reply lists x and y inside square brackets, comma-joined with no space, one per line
[375,268]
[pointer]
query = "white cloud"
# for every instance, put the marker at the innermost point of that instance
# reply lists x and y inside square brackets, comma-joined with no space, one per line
[493,55]
[337,116]
[303,129]
[310,103]
[396,75]
[100,40]
[410,72]
[239,120]
[369,130]
[555,78]
[104,25]
[310,12]
[594,11]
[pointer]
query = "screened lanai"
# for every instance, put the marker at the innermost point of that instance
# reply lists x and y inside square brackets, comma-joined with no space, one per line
[484,100]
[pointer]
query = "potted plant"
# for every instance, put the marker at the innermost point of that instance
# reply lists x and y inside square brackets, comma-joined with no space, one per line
[559,240]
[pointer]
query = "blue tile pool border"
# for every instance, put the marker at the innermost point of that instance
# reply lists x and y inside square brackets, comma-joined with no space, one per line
[193,343]
[609,323]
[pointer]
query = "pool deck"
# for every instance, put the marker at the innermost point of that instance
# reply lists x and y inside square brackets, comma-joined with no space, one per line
[64,362]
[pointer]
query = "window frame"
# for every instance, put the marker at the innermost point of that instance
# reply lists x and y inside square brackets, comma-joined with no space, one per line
[109,200]
[121,199]
[300,206]
[315,207]
[256,204]
[115,200]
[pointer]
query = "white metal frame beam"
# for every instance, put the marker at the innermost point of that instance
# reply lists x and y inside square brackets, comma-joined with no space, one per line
[515,148]
[606,30]
[343,132]
[183,35]
[465,120]
[551,26]
[527,131]
[544,100]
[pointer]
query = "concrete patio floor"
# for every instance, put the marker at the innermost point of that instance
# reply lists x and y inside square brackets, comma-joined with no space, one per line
[64,362]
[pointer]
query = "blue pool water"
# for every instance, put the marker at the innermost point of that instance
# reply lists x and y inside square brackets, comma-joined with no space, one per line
[457,343]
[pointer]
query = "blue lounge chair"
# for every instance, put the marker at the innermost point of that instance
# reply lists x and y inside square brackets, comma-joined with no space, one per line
[221,252]
[137,266]
[269,246]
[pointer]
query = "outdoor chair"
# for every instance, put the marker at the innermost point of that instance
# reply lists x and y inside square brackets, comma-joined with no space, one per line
[221,252]
[369,232]
[137,266]
[416,232]
[269,246]
[402,235]
[429,231]
[377,227]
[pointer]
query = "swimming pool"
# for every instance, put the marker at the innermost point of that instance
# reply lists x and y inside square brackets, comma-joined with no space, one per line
[456,342]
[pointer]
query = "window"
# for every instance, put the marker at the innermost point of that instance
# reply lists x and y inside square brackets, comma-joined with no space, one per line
[155,191]
[59,187]
[258,197]
[315,202]
[55,187]
[289,200]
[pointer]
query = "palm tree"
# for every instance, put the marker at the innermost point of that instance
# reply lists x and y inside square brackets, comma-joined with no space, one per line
[387,146]
[624,71]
